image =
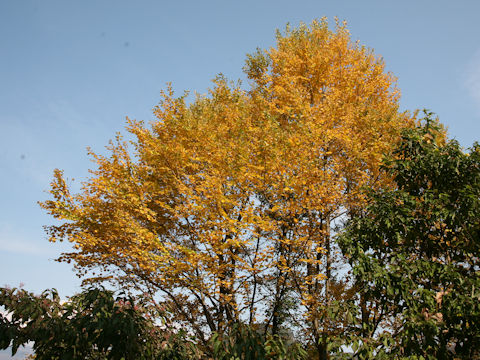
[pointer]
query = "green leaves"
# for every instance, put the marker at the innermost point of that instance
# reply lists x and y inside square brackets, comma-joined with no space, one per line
[415,251]
[91,325]
[249,343]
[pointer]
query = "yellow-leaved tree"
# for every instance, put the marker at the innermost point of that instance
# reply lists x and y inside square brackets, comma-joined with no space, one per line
[224,207]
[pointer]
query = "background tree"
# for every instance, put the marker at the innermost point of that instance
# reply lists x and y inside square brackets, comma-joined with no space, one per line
[415,252]
[226,205]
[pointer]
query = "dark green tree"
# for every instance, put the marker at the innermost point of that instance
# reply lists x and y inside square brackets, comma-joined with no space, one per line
[415,254]
[91,325]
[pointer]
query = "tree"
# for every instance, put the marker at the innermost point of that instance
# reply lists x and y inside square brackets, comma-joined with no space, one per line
[91,325]
[226,205]
[339,106]
[415,252]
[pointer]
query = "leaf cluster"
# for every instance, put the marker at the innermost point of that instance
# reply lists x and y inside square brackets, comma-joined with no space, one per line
[91,325]
[415,251]
[250,343]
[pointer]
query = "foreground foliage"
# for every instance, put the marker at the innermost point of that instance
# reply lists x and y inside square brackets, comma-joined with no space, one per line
[91,325]
[415,253]
[248,343]
[96,325]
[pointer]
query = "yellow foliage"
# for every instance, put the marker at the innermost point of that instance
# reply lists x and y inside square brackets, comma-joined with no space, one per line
[229,199]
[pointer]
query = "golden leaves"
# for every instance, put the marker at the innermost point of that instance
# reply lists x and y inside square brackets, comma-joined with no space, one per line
[219,195]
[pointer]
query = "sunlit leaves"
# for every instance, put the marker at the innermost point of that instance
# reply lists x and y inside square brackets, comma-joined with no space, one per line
[225,205]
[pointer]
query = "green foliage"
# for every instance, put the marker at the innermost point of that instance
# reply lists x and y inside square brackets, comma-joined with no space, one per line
[91,325]
[248,343]
[96,325]
[415,254]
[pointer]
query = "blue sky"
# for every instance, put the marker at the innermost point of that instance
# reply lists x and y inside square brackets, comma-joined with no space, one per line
[71,71]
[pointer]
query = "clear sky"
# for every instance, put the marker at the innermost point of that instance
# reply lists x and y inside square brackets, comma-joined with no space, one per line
[71,71]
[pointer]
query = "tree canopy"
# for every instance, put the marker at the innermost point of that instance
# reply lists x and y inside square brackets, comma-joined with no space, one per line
[225,206]
[416,255]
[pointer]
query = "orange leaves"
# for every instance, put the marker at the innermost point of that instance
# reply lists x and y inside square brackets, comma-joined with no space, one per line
[231,196]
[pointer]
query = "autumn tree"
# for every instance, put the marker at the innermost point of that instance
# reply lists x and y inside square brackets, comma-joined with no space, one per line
[416,253]
[339,109]
[225,206]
